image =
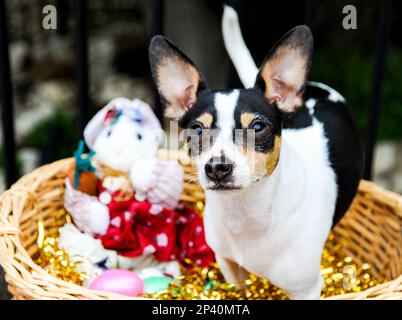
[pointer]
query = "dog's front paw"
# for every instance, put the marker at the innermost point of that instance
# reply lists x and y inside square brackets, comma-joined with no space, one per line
[311,293]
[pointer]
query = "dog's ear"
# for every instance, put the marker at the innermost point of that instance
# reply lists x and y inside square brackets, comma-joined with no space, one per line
[283,74]
[176,77]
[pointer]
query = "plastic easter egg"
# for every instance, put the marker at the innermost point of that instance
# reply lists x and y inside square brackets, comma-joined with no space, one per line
[123,282]
[156,284]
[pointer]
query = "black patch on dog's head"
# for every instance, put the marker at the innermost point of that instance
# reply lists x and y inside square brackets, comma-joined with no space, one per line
[204,104]
[253,101]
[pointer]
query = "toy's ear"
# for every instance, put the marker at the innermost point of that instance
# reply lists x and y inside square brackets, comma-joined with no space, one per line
[283,74]
[96,124]
[150,119]
[176,77]
[149,115]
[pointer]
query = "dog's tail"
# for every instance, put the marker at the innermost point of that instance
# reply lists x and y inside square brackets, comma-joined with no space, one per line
[236,48]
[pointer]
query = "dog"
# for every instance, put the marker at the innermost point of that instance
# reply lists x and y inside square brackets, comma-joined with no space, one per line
[271,202]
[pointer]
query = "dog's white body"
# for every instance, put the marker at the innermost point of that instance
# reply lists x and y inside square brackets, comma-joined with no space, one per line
[263,228]
[270,204]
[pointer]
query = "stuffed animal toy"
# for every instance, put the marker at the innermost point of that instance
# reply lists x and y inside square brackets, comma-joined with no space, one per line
[134,212]
[123,132]
[124,137]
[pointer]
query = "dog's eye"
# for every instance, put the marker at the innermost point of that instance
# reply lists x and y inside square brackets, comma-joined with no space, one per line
[139,136]
[197,129]
[259,126]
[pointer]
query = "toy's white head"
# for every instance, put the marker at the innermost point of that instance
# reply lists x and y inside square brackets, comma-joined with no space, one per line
[122,132]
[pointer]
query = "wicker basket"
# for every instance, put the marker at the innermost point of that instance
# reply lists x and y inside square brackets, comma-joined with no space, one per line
[370,232]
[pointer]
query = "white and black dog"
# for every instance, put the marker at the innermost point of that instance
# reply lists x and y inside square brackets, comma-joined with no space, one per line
[270,204]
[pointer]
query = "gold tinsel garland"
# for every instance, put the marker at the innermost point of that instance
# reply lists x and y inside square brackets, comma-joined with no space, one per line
[341,275]
[55,260]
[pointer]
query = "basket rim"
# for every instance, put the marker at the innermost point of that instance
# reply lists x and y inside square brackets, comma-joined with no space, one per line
[15,275]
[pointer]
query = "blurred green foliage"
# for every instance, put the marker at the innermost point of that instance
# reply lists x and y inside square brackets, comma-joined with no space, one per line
[56,135]
[2,161]
[351,74]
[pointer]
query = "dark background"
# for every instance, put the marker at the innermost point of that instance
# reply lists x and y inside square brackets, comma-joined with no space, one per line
[43,61]
[343,58]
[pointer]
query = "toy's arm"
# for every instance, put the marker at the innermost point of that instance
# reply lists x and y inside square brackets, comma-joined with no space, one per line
[88,213]
[159,180]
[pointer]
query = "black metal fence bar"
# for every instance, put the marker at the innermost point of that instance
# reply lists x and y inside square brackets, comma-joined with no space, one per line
[374,112]
[6,95]
[309,15]
[157,28]
[81,16]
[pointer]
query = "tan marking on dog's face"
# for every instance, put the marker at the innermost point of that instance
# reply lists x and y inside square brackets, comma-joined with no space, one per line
[262,164]
[246,119]
[273,156]
[206,119]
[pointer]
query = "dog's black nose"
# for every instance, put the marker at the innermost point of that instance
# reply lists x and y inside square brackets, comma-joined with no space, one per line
[218,168]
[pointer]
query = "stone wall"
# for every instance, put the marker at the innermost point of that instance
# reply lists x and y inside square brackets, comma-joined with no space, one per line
[387,171]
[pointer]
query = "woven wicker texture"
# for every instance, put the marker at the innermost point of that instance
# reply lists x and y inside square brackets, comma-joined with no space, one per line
[370,232]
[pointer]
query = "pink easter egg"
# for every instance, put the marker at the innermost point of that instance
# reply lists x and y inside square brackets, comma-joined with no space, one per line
[123,282]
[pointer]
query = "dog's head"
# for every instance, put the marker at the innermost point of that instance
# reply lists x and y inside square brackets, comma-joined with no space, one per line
[234,136]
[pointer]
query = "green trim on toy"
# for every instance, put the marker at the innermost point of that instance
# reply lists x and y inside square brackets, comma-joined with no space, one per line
[82,163]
